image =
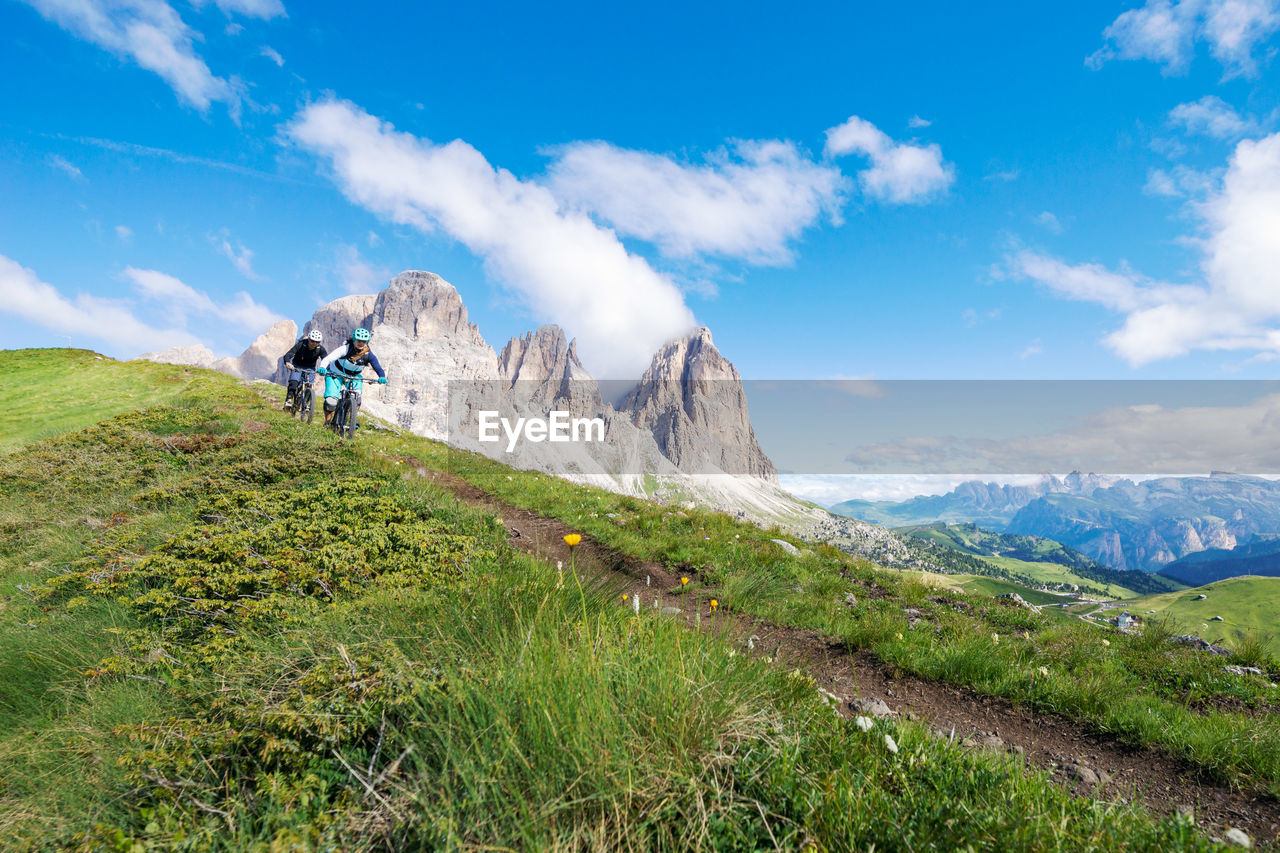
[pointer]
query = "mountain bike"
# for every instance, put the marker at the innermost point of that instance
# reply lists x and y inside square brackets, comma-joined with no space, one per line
[304,399]
[345,417]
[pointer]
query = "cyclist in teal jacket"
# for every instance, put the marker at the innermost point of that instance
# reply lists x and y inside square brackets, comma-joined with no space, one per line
[347,361]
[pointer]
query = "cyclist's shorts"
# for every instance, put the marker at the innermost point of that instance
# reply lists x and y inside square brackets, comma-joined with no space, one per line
[333,387]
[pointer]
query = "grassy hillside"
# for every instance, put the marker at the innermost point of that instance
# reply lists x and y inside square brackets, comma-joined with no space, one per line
[1032,560]
[260,636]
[66,389]
[1249,607]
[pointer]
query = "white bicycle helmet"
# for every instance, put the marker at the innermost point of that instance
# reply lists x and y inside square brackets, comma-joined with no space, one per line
[315,335]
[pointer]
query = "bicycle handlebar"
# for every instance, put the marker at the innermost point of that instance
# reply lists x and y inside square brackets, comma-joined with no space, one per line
[346,377]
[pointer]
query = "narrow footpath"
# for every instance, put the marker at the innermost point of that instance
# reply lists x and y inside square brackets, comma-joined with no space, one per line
[1088,763]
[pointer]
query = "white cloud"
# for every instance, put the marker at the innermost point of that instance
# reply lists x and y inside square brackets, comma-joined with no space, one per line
[1160,182]
[357,275]
[124,233]
[1212,116]
[265,9]
[62,164]
[1142,438]
[1032,348]
[747,202]
[135,150]
[1181,181]
[1235,305]
[23,294]
[152,34]
[1166,31]
[916,122]
[272,54]
[901,173]
[1004,176]
[565,267]
[181,300]
[831,489]
[239,255]
[1049,222]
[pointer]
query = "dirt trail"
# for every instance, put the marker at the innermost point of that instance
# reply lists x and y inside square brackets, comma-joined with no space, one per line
[1087,763]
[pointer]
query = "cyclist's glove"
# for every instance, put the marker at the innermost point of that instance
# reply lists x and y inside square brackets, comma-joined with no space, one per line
[322,371]
[382,380]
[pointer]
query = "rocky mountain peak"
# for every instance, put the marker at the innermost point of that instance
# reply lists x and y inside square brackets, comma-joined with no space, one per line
[690,357]
[424,305]
[543,367]
[691,399]
[538,355]
[338,318]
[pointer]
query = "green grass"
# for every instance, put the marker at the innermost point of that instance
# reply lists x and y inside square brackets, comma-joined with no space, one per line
[1249,607]
[262,637]
[1173,697]
[982,585]
[61,390]
[1033,560]
[1055,573]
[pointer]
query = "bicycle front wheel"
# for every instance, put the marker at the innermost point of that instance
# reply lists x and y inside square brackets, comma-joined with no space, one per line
[353,409]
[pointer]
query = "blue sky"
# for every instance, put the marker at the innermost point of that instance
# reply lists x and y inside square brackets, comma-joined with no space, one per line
[1082,191]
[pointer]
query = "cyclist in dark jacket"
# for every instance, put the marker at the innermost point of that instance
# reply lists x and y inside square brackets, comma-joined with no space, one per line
[348,361]
[305,355]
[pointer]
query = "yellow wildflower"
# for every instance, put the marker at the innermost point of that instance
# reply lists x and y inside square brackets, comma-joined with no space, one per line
[572,539]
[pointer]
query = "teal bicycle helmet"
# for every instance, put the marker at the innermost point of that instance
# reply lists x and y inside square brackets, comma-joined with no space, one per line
[362,334]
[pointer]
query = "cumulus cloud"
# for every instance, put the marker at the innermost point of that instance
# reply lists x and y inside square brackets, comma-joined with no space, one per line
[900,173]
[180,300]
[1236,303]
[152,34]
[24,295]
[564,266]
[1166,32]
[749,201]
[1212,116]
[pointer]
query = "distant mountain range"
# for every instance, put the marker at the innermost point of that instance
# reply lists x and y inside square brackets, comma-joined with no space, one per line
[989,505]
[1021,558]
[1261,557]
[1148,525]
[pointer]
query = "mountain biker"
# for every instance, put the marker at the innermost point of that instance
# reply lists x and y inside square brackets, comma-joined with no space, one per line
[349,361]
[304,355]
